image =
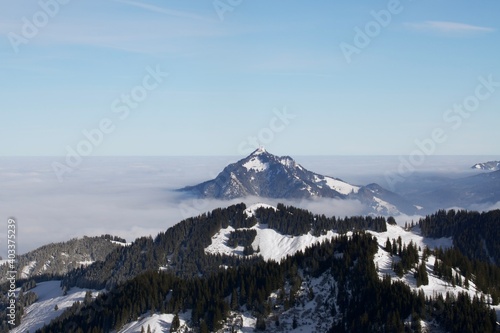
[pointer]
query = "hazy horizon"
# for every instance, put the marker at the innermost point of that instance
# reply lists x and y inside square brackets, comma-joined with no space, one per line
[133,196]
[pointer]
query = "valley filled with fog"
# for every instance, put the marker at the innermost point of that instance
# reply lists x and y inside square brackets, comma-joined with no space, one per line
[135,196]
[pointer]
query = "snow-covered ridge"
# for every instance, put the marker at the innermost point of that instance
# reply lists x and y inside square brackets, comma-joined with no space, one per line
[487,166]
[250,211]
[157,323]
[336,185]
[275,246]
[385,207]
[289,162]
[256,164]
[272,245]
[383,260]
[44,310]
[120,243]
[26,270]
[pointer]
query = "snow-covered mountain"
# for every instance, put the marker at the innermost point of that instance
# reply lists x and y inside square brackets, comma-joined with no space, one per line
[266,175]
[51,303]
[316,296]
[487,166]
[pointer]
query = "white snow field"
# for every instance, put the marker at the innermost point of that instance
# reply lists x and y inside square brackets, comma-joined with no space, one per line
[337,185]
[43,311]
[157,323]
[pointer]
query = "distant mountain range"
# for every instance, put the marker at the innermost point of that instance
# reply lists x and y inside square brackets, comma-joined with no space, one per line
[465,192]
[487,166]
[266,175]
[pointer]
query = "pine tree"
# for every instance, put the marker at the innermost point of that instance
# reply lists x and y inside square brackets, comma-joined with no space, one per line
[234,300]
[388,245]
[243,295]
[176,323]
[88,297]
[261,324]
[203,327]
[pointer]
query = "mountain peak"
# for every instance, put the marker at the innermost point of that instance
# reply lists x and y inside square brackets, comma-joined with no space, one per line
[487,166]
[263,174]
[259,151]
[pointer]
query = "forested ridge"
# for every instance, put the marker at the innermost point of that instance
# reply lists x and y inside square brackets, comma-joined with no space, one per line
[364,302]
[475,234]
[182,247]
[56,259]
[212,287]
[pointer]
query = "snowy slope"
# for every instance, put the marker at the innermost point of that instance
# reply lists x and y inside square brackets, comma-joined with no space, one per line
[256,165]
[250,211]
[275,246]
[43,311]
[157,323]
[312,315]
[336,185]
[382,207]
[383,260]
[26,270]
[272,245]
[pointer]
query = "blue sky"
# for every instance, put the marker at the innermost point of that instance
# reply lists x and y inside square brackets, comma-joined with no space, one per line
[234,65]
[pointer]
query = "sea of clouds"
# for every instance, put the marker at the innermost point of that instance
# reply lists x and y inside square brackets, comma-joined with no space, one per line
[135,196]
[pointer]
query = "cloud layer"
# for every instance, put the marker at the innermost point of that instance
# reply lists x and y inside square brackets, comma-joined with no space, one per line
[133,197]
